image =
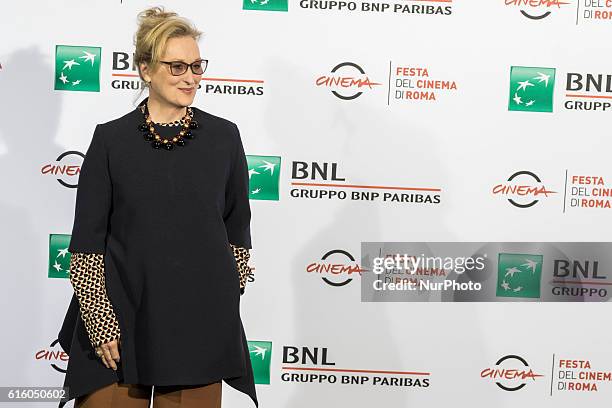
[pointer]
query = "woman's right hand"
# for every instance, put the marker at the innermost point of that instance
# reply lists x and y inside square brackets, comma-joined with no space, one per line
[109,353]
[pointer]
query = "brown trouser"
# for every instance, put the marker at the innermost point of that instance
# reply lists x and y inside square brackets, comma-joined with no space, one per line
[139,396]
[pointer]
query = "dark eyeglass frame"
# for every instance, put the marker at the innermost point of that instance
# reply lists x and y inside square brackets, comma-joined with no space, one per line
[202,62]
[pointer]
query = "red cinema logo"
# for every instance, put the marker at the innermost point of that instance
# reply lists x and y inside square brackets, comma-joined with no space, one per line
[347,81]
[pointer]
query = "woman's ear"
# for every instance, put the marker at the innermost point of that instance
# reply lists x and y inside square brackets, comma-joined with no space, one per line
[144,72]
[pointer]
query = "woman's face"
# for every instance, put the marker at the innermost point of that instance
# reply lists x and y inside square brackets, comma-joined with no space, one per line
[172,89]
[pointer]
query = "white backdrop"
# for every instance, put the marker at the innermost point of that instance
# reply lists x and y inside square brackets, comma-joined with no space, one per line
[462,144]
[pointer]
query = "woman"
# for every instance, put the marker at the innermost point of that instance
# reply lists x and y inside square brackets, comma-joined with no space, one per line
[160,243]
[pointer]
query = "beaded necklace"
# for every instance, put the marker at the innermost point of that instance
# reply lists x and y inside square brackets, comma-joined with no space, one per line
[187,124]
[167,124]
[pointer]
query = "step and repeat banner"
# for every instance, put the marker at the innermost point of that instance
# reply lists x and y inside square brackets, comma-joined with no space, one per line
[430,188]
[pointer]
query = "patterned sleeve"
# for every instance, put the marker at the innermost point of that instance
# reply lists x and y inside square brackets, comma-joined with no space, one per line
[87,279]
[242,257]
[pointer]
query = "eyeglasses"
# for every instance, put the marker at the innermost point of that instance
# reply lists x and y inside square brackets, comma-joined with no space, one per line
[179,68]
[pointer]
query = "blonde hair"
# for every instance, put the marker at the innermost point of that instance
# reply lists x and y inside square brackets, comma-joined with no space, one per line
[155,27]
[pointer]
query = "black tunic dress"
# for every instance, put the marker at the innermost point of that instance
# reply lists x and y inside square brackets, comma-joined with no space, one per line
[164,221]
